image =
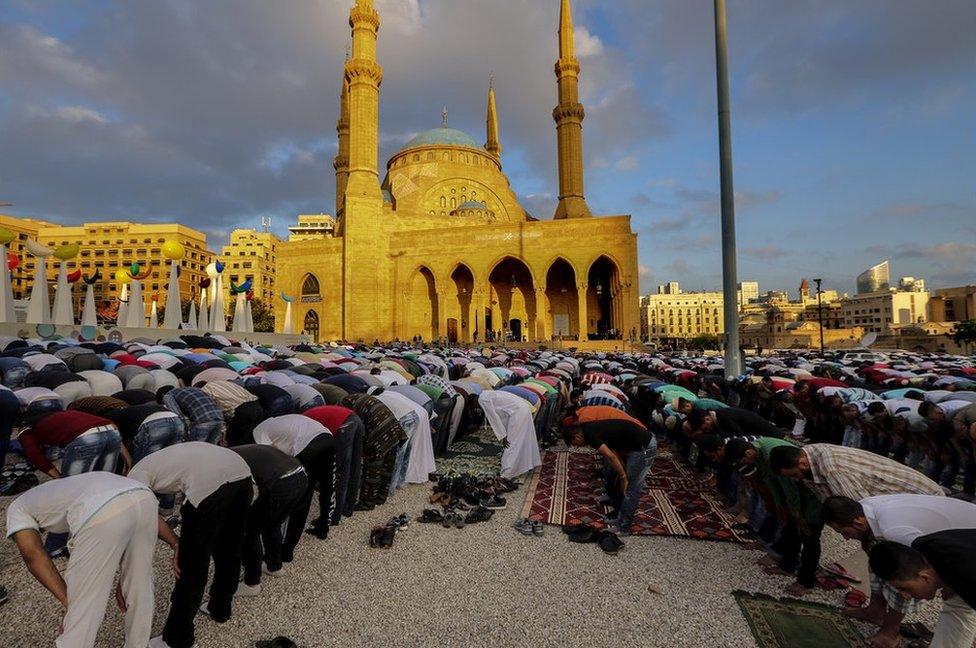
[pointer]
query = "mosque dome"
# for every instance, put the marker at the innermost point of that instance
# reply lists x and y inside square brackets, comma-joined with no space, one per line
[473,204]
[442,136]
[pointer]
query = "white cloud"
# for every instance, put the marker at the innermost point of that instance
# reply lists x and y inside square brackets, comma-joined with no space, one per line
[80,114]
[587,44]
[628,163]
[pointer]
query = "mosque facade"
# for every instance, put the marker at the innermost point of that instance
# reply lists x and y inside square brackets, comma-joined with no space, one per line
[439,246]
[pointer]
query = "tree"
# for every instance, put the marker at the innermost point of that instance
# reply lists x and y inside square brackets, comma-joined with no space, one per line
[703,341]
[965,333]
[264,320]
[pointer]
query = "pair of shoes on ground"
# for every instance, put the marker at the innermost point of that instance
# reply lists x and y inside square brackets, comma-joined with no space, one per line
[478,514]
[399,522]
[452,519]
[528,527]
[381,537]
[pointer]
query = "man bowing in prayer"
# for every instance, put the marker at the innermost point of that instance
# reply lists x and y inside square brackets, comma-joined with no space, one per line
[510,417]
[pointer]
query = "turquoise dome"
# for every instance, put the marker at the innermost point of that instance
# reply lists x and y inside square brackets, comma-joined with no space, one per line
[442,136]
[473,204]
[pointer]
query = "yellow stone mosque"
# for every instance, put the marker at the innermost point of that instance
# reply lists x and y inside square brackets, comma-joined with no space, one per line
[441,248]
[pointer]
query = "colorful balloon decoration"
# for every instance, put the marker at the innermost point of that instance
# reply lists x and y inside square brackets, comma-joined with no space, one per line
[122,276]
[67,252]
[204,283]
[243,288]
[38,250]
[6,236]
[173,250]
[94,278]
[73,277]
[13,261]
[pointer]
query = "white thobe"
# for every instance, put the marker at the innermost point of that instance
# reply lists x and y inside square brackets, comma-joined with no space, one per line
[510,417]
[421,460]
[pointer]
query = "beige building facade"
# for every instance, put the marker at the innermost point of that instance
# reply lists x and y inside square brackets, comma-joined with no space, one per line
[24,229]
[439,247]
[680,315]
[251,255]
[878,312]
[956,304]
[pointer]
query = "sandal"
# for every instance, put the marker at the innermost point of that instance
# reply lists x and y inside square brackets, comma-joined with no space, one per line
[838,571]
[855,599]
[375,536]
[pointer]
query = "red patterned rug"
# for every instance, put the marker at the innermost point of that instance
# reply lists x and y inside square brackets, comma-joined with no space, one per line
[563,490]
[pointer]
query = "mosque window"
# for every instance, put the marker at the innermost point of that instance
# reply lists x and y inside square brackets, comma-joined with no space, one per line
[430,155]
[464,199]
[431,212]
[443,202]
[473,194]
[416,157]
[310,286]
[453,203]
[446,156]
[453,190]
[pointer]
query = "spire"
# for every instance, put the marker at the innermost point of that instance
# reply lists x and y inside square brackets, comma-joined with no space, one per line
[363,77]
[341,160]
[492,145]
[444,117]
[567,49]
[569,115]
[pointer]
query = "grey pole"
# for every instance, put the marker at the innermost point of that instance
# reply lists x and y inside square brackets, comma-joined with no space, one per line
[733,361]
[820,315]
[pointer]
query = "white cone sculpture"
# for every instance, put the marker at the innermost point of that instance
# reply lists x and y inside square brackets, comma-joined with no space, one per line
[154,315]
[39,306]
[89,316]
[191,318]
[288,327]
[173,250]
[135,314]
[7,314]
[203,323]
[64,312]
[218,317]
[123,304]
[248,317]
[239,324]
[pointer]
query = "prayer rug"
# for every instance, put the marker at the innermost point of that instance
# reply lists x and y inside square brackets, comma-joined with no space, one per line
[791,623]
[478,453]
[564,490]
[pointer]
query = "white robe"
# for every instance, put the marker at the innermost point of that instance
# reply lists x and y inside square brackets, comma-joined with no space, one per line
[421,461]
[510,417]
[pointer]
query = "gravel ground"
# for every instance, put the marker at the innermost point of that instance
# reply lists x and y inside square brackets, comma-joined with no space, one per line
[481,585]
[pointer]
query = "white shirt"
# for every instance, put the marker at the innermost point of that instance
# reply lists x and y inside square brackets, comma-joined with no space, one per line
[903,518]
[38,361]
[65,505]
[194,468]
[290,433]
[29,395]
[901,406]
[950,407]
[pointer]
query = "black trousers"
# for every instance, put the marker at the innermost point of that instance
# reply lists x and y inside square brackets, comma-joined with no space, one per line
[263,539]
[800,552]
[213,529]
[240,428]
[318,458]
[349,467]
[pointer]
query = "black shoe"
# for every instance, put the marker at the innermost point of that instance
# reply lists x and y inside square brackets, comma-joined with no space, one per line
[480,514]
[363,506]
[321,534]
[277,642]
[494,503]
[430,516]
[4,597]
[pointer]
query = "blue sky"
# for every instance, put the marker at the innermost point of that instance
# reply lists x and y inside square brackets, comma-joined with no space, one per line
[852,122]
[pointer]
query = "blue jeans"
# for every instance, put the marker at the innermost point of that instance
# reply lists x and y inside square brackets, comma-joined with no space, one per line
[156,435]
[208,431]
[637,465]
[409,424]
[89,452]
[153,436]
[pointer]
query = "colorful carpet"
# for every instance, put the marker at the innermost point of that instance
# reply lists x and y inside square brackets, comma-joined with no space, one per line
[478,453]
[790,623]
[564,491]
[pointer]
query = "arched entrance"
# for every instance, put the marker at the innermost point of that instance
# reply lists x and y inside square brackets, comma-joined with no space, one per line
[311,325]
[459,305]
[310,286]
[422,307]
[511,298]
[603,300]
[563,301]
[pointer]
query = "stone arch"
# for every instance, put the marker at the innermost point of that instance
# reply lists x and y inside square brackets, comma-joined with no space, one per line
[311,324]
[562,300]
[310,285]
[604,297]
[458,303]
[512,298]
[422,314]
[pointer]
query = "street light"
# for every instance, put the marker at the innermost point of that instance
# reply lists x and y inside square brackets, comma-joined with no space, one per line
[820,315]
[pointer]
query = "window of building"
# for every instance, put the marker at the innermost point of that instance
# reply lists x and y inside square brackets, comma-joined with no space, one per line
[310,285]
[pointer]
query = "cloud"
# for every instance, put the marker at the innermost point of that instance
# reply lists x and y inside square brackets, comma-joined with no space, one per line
[669,224]
[917,211]
[628,163]
[765,252]
[78,114]
[644,271]
[678,267]
[587,44]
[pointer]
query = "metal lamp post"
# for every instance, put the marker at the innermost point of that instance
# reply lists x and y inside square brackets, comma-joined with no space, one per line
[820,315]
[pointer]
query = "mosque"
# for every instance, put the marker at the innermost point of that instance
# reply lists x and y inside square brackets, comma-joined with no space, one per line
[440,246]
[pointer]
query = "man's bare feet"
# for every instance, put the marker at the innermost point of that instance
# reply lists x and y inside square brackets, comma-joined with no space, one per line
[774,570]
[872,614]
[795,589]
[885,641]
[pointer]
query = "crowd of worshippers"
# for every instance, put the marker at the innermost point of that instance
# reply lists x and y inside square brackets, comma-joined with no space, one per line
[219,450]
[883,453]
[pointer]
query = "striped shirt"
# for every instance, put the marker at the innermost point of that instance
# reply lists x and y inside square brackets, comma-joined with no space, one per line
[97,405]
[383,431]
[607,400]
[854,473]
[228,396]
[436,381]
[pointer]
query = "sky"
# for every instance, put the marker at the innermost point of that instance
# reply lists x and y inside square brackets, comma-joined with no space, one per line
[854,136]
